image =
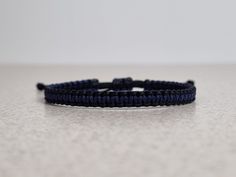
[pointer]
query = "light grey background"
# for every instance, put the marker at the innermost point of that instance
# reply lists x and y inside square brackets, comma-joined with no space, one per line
[43,140]
[124,31]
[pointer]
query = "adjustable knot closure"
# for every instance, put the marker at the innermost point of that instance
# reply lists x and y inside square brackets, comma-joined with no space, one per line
[93,83]
[122,83]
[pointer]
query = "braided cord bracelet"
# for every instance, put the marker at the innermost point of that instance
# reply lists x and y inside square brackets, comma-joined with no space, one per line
[119,93]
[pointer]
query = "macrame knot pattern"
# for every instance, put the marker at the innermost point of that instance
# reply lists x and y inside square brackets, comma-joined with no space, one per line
[122,83]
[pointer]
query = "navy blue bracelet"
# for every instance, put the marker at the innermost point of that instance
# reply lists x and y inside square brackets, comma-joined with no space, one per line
[119,93]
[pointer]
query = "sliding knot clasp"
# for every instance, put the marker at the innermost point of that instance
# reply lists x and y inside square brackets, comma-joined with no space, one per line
[122,83]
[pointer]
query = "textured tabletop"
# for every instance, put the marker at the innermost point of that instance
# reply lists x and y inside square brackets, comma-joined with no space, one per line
[42,140]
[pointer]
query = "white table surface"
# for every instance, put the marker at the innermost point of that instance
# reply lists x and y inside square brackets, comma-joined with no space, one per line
[42,140]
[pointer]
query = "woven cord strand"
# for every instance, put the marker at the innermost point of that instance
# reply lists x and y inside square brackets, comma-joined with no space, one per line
[91,93]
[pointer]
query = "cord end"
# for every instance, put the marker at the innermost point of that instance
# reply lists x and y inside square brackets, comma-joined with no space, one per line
[190,82]
[40,86]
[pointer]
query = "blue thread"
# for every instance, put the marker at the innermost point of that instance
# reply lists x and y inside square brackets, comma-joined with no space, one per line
[119,93]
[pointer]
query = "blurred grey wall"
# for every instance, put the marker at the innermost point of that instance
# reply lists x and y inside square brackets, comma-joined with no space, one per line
[121,31]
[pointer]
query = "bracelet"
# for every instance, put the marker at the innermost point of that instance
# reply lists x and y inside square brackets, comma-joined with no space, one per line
[119,93]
